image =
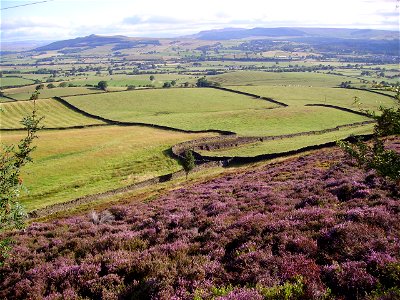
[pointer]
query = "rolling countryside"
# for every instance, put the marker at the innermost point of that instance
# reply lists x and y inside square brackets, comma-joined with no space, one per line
[205,151]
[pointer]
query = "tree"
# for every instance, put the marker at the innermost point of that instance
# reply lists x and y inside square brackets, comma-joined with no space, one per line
[39,87]
[385,162]
[34,96]
[167,84]
[152,77]
[173,82]
[63,84]
[188,162]
[51,86]
[102,85]
[12,159]
[204,82]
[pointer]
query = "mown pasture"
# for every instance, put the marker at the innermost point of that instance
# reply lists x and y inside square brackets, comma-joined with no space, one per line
[77,162]
[123,80]
[24,93]
[204,109]
[74,163]
[301,95]
[14,81]
[279,78]
[55,114]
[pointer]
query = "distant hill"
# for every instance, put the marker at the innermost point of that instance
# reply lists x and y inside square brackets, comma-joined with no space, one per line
[287,32]
[326,39]
[21,45]
[92,41]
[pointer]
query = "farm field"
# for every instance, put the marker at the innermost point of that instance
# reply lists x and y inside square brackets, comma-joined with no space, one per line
[288,144]
[73,163]
[204,109]
[267,78]
[24,93]
[14,81]
[301,95]
[110,213]
[55,114]
[5,99]
[122,80]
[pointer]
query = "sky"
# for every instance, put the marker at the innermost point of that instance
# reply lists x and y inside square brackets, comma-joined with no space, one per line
[64,19]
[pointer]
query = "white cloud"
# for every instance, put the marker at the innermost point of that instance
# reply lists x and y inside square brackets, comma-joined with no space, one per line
[64,19]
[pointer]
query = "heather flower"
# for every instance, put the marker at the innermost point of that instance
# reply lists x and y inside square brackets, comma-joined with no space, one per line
[232,237]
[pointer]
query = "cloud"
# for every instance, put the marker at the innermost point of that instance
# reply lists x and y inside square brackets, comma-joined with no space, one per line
[136,20]
[159,18]
[32,23]
[133,20]
[390,14]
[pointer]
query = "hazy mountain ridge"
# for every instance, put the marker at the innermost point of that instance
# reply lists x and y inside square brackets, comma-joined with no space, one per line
[352,39]
[240,33]
[92,41]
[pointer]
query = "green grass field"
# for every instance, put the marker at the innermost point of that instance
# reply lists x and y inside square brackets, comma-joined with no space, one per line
[77,162]
[301,95]
[73,163]
[287,144]
[24,93]
[4,99]
[56,114]
[268,78]
[202,109]
[14,81]
[31,76]
[122,80]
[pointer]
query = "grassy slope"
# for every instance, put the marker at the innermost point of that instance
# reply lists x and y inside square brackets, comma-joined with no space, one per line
[24,93]
[167,101]
[287,144]
[72,163]
[200,109]
[125,80]
[268,78]
[14,81]
[56,114]
[299,96]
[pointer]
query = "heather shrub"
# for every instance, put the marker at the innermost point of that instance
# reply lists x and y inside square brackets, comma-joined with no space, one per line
[347,241]
[119,212]
[350,279]
[251,235]
[382,293]
[242,294]
[388,274]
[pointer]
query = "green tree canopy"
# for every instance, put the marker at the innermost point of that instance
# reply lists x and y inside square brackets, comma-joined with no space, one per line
[188,162]
[102,85]
[167,84]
